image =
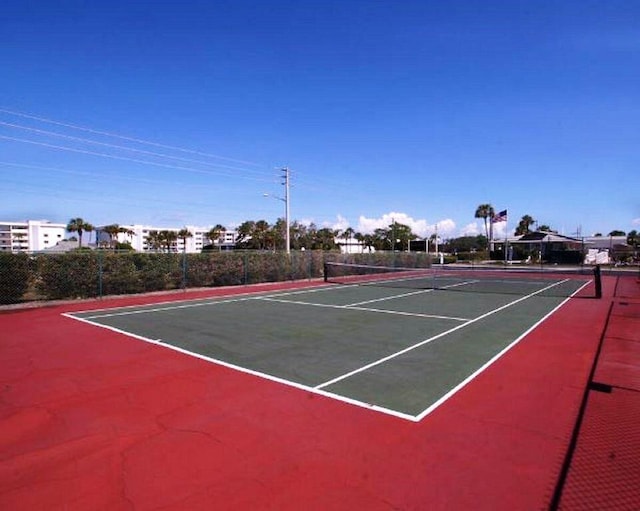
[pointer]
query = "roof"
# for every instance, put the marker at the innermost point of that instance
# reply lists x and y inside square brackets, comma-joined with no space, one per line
[546,237]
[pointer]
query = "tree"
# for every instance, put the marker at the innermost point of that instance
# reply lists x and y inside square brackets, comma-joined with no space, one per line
[617,233]
[486,212]
[346,235]
[168,239]
[367,241]
[359,237]
[261,234]
[467,243]
[546,228]
[302,236]
[298,235]
[278,234]
[154,241]
[325,239]
[382,239]
[216,236]
[184,234]
[80,226]
[245,233]
[402,234]
[112,230]
[633,238]
[523,226]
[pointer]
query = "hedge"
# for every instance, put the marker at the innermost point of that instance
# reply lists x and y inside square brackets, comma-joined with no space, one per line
[89,274]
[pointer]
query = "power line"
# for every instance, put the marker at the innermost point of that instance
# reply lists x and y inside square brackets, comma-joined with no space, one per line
[122,137]
[217,188]
[124,158]
[125,148]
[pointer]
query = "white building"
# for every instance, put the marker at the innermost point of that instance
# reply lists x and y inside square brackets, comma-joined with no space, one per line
[32,235]
[137,237]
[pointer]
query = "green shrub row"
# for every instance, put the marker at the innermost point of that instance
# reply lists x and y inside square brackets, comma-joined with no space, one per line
[14,277]
[88,274]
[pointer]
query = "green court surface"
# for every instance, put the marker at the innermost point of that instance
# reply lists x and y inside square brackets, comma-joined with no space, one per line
[398,351]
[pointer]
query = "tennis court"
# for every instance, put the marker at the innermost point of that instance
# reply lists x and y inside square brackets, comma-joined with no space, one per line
[398,342]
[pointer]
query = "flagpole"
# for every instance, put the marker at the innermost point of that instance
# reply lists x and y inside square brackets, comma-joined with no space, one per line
[506,234]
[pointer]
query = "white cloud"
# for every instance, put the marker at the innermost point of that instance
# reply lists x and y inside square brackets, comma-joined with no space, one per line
[635,221]
[340,224]
[471,229]
[422,228]
[499,230]
[446,228]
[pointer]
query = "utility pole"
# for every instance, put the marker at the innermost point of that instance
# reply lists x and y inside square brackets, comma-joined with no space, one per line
[286,175]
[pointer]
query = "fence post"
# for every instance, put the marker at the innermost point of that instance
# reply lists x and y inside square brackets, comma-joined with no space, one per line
[245,264]
[184,270]
[100,269]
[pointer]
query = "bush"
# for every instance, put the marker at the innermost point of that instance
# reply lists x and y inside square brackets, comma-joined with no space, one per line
[14,277]
[71,275]
[87,274]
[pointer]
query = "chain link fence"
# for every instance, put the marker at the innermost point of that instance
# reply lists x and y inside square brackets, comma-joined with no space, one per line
[97,273]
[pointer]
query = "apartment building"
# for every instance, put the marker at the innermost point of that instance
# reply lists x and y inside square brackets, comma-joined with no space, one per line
[30,236]
[138,237]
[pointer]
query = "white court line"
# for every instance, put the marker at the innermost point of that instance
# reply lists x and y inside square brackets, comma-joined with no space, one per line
[266,376]
[168,308]
[364,309]
[316,389]
[187,304]
[433,338]
[422,291]
[481,369]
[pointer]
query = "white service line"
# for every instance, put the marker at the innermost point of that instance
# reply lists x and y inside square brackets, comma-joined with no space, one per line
[364,309]
[433,338]
[481,369]
[191,303]
[266,376]
[422,291]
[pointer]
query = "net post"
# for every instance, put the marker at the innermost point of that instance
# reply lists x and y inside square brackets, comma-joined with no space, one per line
[597,280]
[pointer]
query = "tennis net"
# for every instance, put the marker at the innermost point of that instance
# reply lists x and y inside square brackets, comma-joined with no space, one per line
[520,281]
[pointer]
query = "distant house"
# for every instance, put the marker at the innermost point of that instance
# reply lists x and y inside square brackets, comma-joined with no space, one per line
[544,246]
[608,249]
[65,246]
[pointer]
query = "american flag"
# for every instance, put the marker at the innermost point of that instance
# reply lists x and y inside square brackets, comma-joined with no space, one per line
[499,217]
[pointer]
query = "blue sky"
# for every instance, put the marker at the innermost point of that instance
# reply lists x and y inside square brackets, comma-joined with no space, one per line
[416,111]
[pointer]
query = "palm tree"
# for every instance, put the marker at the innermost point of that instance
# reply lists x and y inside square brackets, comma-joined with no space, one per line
[183,234]
[215,234]
[80,226]
[168,239]
[486,212]
[326,239]
[346,235]
[523,226]
[113,230]
[153,240]
[368,242]
[261,231]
